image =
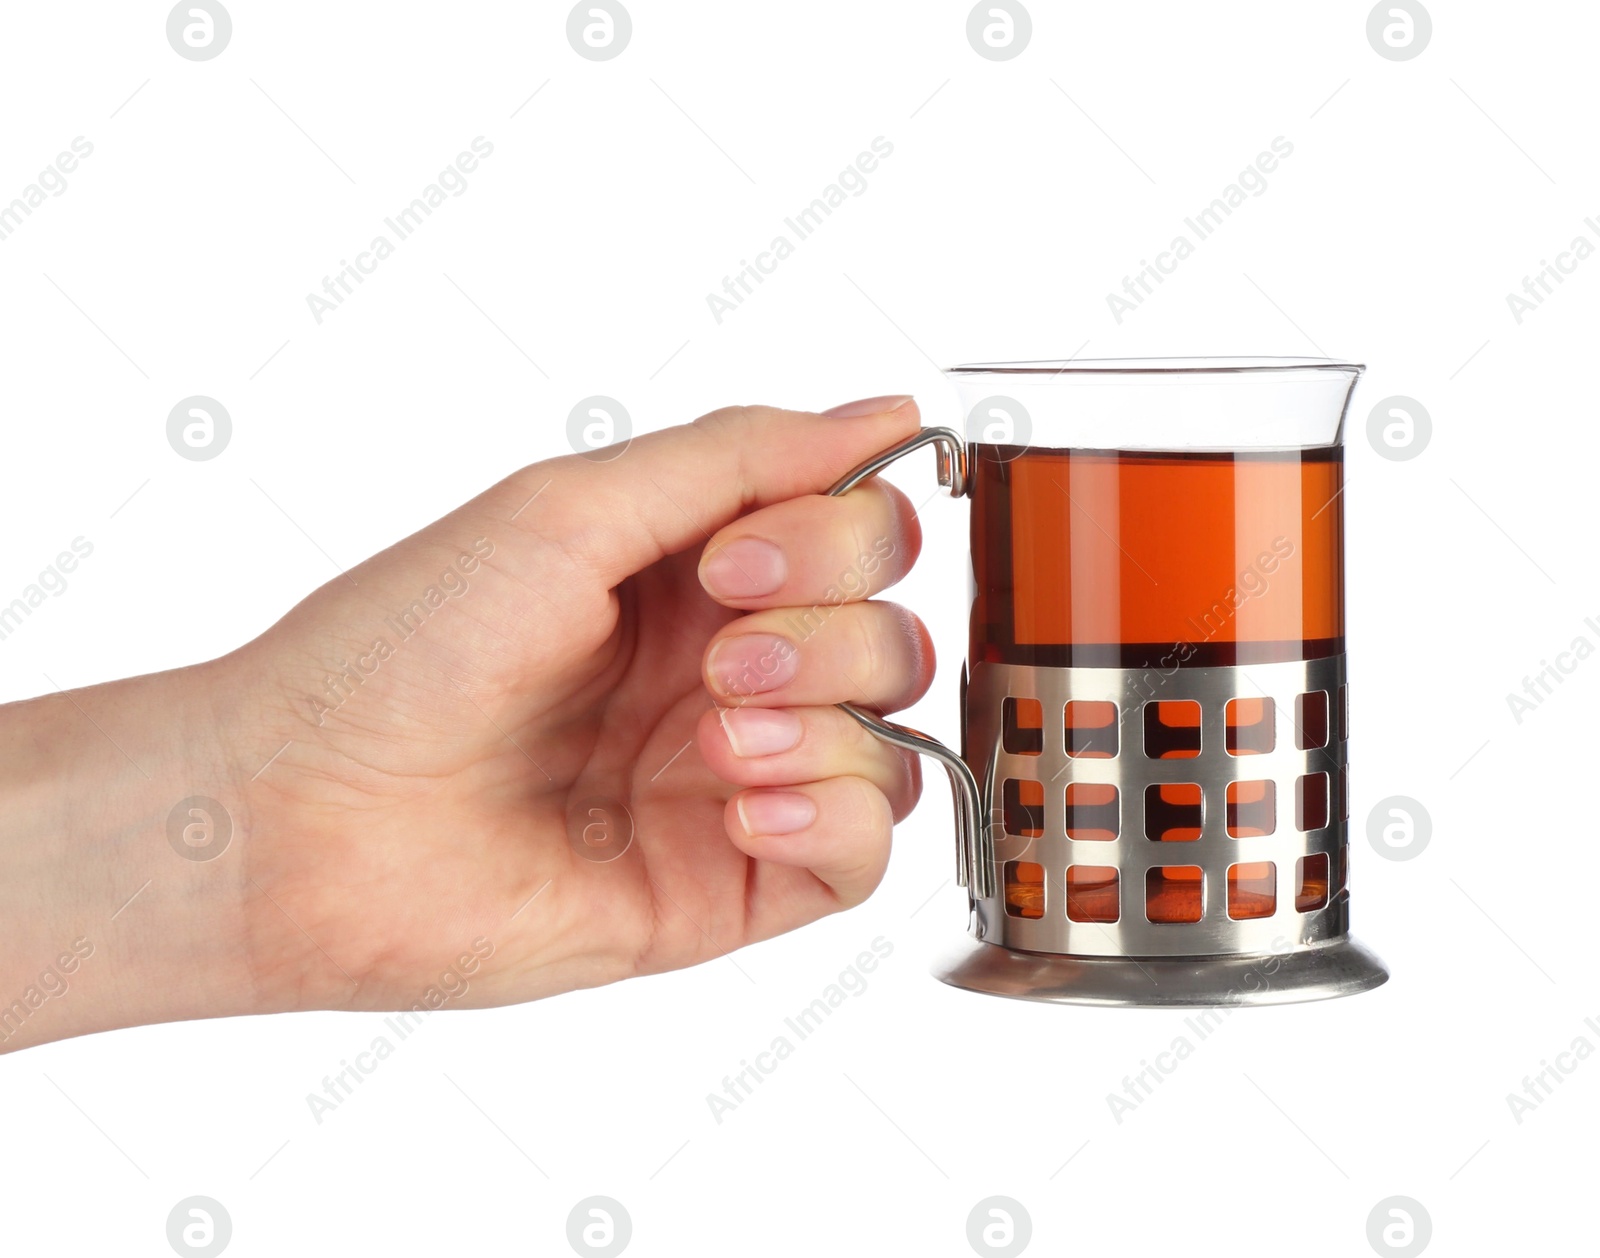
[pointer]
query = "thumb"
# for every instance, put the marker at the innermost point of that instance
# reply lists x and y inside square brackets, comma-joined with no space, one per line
[673,489]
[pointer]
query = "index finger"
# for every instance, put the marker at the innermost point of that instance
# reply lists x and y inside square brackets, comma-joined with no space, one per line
[815,549]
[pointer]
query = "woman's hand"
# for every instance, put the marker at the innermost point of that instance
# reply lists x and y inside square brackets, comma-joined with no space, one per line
[579,729]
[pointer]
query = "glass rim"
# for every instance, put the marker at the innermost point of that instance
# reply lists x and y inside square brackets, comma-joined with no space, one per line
[1221,365]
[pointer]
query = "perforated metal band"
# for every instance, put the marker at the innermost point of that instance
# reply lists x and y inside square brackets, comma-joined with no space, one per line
[1290,766]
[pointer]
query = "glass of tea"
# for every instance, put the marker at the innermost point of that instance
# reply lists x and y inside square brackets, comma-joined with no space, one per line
[1152,789]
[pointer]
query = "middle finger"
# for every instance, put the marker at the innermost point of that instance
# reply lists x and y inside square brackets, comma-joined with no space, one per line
[874,653]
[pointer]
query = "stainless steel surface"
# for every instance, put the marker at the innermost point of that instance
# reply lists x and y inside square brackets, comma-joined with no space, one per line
[952,465]
[1340,968]
[974,865]
[974,868]
[1131,772]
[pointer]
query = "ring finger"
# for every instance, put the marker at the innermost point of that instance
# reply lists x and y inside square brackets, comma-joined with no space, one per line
[782,746]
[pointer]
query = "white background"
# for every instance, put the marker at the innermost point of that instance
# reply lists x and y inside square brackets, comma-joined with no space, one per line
[1018,195]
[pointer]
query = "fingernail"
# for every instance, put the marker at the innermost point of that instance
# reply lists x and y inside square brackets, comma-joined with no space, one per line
[753,663]
[745,568]
[775,812]
[868,406]
[760,731]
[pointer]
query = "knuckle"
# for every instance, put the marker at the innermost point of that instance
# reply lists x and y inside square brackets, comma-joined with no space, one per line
[909,524]
[920,663]
[896,773]
[908,785]
[868,806]
[869,653]
[723,418]
[858,740]
[739,427]
[732,420]
[864,836]
[872,540]
[896,540]
[905,646]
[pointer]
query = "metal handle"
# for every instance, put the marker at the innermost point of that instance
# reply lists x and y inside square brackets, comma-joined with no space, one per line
[974,865]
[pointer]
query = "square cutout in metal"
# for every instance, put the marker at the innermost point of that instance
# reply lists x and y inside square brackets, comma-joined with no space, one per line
[1022,807]
[1024,889]
[1174,812]
[1252,890]
[1311,882]
[1172,729]
[1311,720]
[1252,808]
[1311,801]
[1091,728]
[1092,811]
[1022,727]
[1251,726]
[1174,893]
[1092,893]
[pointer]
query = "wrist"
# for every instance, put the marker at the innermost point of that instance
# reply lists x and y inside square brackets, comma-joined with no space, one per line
[116,917]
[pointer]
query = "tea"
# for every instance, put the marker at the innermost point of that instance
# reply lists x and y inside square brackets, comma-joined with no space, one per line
[1135,559]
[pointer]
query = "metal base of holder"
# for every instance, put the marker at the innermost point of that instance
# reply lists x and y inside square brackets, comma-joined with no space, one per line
[1340,968]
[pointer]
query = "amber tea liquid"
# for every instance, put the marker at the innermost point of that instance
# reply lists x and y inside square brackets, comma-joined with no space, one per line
[1155,560]
[1128,559]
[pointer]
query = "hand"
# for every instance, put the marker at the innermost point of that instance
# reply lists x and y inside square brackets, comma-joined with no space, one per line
[645,651]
